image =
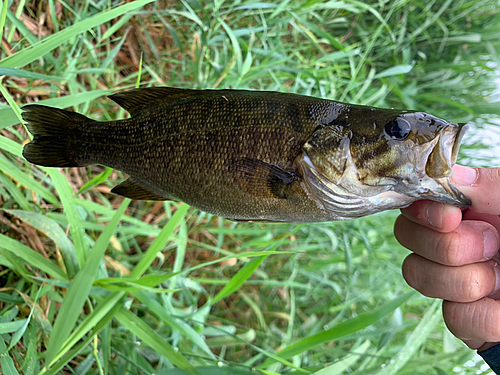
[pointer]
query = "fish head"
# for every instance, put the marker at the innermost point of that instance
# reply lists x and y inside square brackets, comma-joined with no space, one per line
[383,159]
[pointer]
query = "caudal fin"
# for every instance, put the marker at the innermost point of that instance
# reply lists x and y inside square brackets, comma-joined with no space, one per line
[55,132]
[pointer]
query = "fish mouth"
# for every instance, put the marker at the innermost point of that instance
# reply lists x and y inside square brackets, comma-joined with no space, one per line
[436,185]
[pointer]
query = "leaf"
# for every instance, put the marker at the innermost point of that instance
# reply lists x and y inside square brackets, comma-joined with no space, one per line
[139,328]
[238,279]
[33,52]
[9,117]
[31,257]
[160,242]
[52,230]
[339,330]
[394,70]
[74,219]
[80,287]
[9,169]
[11,72]
[177,324]
[414,341]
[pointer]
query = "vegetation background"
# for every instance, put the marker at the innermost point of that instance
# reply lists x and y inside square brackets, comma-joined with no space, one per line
[92,283]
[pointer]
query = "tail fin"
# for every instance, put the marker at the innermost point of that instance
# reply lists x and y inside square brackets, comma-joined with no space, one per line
[55,131]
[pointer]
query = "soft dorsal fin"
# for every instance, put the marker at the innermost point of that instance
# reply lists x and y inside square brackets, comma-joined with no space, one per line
[261,178]
[134,100]
[133,190]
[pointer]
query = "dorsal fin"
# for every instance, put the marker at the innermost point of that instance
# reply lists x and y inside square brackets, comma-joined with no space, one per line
[133,190]
[134,100]
[261,178]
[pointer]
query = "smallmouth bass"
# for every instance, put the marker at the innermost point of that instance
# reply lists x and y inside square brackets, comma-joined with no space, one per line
[258,155]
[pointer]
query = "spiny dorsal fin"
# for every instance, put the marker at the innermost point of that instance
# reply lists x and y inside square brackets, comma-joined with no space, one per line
[261,178]
[133,190]
[134,100]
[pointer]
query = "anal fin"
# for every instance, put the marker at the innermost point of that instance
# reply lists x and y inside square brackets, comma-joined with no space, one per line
[132,189]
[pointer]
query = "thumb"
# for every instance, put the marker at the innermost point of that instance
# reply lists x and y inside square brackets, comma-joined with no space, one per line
[481,185]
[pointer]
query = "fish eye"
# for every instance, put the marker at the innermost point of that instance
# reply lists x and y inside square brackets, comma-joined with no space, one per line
[398,129]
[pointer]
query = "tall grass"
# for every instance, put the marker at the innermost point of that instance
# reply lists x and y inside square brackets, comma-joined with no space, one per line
[95,284]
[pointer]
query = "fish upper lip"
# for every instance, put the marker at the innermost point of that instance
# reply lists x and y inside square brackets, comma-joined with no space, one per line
[462,129]
[456,197]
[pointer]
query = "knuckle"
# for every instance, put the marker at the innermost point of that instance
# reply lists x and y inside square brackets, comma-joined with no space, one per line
[473,286]
[449,247]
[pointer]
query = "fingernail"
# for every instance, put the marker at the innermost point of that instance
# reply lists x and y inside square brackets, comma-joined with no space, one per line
[490,243]
[434,214]
[466,177]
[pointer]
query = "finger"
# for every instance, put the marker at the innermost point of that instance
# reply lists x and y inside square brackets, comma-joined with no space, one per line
[460,284]
[481,185]
[492,219]
[479,320]
[434,215]
[471,242]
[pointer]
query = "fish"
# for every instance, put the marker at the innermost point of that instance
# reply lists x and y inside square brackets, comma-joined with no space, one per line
[257,156]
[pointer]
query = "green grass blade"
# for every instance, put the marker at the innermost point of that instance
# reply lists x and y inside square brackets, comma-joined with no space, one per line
[9,117]
[9,327]
[238,279]
[11,146]
[15,192]
[6,363]
[340,330]
[31,257]
[95,318]
[26,180]
[65,357]
[155,341]
[3,15]
[26,74]
[30,54]
[415,340]
[52,230]
[159,242]
[74,218]
[173,322]
[80,287]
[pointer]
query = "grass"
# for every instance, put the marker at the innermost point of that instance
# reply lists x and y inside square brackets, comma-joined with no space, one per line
[95,284]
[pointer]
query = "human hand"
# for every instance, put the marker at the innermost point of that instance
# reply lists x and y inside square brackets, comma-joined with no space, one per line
[456,255]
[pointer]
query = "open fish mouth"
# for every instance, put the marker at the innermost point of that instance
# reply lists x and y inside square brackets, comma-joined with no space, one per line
[439,169]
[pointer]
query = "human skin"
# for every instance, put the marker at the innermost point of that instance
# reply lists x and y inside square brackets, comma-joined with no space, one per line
[456,255]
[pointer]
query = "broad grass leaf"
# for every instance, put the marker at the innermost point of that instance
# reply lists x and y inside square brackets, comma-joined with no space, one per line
[394,70]
[6,363]
[97,318]
[74,218]
[415,340]
[80,287]
[9,117]
[52,230]
[9,327]
[31,257]
[29,182]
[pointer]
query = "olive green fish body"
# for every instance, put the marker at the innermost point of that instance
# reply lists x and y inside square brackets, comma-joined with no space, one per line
[245,155]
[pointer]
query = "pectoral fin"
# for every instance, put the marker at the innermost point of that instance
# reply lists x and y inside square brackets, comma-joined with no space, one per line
[133,190]
[261,178]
